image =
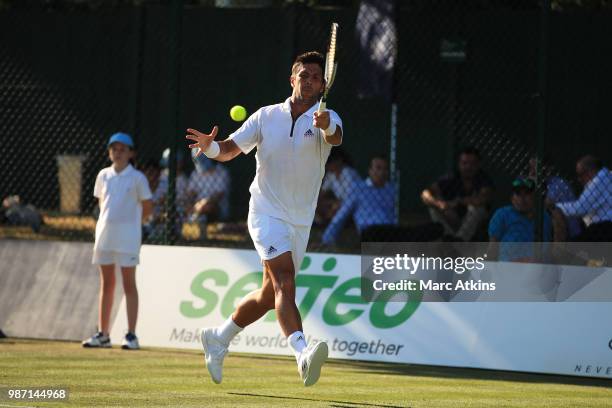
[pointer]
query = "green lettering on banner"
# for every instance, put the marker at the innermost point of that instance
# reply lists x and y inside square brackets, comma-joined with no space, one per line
[381,320]
[339,296]
[305,263]
[239,290]
[314,285]
[329,264]
[209,297]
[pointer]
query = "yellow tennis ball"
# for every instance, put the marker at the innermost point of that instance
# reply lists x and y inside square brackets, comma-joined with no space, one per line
[238,113]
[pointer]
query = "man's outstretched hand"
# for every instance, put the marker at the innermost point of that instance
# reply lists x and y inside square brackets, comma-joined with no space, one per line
[202,140]
[321,120]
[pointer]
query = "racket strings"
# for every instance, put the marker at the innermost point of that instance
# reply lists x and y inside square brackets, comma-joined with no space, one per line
[330,64]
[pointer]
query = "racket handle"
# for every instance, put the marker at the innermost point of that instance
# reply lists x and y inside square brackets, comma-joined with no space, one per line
[322,105]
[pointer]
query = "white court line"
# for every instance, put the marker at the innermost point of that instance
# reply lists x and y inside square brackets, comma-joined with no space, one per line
[19,406]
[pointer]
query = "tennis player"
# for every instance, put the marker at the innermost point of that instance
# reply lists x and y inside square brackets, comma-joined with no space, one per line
[293,142]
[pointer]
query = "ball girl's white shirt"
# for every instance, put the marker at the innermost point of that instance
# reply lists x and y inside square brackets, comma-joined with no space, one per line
[121,195]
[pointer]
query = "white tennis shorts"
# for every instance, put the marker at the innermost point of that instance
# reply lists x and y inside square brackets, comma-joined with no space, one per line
[114,257]
[273,237]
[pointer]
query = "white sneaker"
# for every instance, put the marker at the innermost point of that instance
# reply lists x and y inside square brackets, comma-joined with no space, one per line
[310,362]
[130,342]
[98,340]
[214,353]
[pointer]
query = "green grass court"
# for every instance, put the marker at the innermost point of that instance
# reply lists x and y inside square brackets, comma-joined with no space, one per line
[169,377]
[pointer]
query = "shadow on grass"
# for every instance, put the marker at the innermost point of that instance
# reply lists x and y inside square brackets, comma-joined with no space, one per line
[416,370]
[466,373]
[334,403]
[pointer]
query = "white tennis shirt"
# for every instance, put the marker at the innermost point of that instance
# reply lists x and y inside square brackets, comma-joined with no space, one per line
[121,195]
[290,158]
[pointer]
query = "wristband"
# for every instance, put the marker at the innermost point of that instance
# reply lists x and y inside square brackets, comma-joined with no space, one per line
[213,150]
[331,129]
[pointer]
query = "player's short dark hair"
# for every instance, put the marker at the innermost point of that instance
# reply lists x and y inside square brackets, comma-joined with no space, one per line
[310,57]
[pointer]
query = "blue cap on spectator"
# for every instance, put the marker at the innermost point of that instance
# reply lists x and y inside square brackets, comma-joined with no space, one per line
[121,138]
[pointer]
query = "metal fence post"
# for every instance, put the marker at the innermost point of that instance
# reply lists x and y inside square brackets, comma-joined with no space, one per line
[176,25]
[542,118]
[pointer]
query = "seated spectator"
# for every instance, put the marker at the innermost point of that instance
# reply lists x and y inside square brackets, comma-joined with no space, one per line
[340,179]
[152,171]
[15,213]
[155,230]
[557,190]
[459,201]
[595,203]
[516,223]
[208,191]
[153,227]
[371,202]
[181,181]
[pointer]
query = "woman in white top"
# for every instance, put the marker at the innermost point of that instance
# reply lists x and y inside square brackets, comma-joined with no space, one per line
[125,200]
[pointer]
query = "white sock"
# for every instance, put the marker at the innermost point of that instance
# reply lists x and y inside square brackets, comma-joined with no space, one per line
[227,331]
[297,341]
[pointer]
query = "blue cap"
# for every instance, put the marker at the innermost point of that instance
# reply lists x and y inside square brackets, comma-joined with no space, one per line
[121,138]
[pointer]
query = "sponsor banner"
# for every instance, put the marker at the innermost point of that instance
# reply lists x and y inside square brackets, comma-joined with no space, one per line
[183,289]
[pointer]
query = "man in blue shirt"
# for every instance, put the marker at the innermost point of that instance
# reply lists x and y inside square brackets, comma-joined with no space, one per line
[372,202]
[516,223]
[558,190]
[595,203]
[340,179]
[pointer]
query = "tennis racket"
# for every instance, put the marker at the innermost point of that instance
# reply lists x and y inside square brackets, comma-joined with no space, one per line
[330,66]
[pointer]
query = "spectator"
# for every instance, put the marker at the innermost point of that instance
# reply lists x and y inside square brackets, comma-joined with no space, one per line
[181,180]
[157,175]
[153,227]
[516,223]
[152,171]
[208,191]
[459,201]
[340,179]
[557,190]
[595,203]
[15,213]
[371,202]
